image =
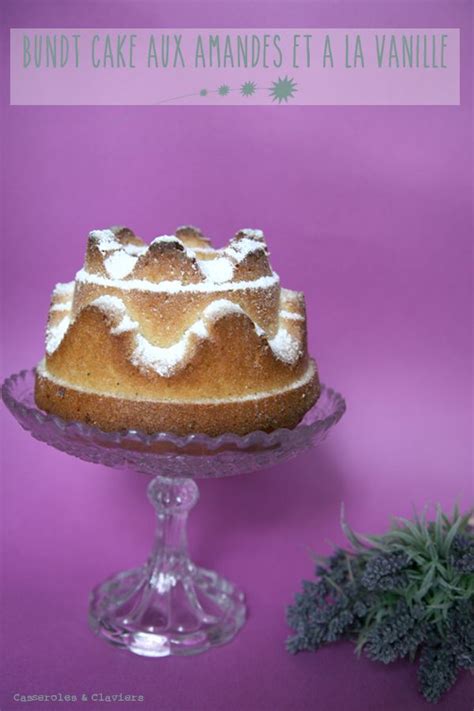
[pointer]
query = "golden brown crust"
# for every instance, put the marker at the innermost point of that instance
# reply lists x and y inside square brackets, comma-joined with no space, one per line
[157,337]
[164,317]
[192,237]
[164,261]
[284,409]
[94,260]
[253,266]
[127,236]
[233,361]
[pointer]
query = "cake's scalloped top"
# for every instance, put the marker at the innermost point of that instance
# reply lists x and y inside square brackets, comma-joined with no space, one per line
[186,258]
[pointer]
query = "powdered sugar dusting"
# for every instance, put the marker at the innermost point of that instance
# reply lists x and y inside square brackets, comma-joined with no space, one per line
[220,308]
[217,271]
[170,239]
[243,247]
[115,307]
[105,240]
[126,324]
[111,305]
[221,269]
[199,329]
[135,250]
[163,361]
[55,334]
[166,361]
[252,233]
[65,289]
[175,287]
[119,264]
[291,315]
[285,347]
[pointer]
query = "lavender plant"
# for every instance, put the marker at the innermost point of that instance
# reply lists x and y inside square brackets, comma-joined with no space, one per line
[408,593]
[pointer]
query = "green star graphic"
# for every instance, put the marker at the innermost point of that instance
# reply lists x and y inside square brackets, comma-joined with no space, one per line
[248,88]
[283,89]
[203,92]
[223,90]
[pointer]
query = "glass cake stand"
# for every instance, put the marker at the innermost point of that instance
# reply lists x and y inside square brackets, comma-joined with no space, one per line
[169,605]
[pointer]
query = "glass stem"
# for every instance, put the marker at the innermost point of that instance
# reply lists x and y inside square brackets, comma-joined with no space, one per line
[172,499]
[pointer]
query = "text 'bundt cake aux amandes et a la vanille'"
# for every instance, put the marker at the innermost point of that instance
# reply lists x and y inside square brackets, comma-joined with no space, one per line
[177,336]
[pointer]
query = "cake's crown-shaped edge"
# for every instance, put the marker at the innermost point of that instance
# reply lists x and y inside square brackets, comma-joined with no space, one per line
[187,235]
[187,256]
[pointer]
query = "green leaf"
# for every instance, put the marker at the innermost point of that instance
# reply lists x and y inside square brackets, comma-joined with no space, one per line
[441,569]
[453,531]
[426,584]
[356,540]
[407,539]
[412,555]
[414,529]
[438,527]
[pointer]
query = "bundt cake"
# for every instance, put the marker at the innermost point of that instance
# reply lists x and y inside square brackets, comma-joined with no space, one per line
[177,336]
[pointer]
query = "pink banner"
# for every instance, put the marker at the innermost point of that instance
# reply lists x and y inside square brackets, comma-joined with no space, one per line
[245,67]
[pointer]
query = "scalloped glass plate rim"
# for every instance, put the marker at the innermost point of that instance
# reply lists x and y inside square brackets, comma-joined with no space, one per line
[118,436]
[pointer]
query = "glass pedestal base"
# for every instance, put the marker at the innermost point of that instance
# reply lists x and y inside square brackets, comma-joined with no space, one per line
[169,605]
[199,612]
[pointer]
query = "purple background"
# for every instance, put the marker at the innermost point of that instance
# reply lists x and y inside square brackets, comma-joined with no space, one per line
[368,210]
